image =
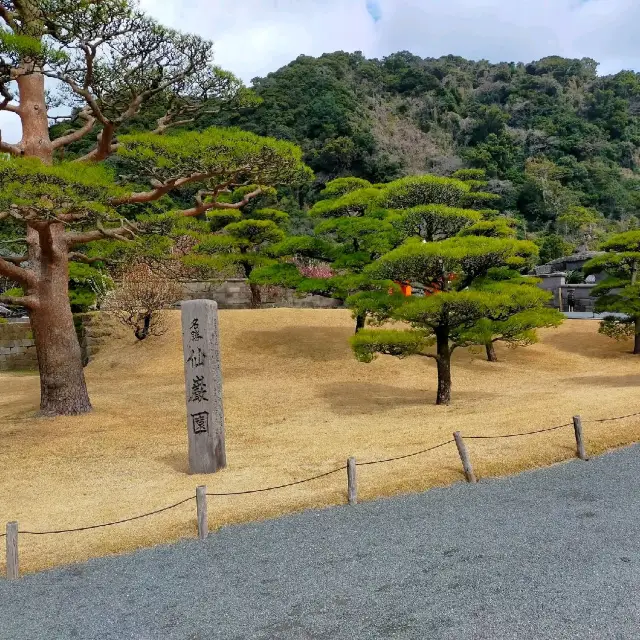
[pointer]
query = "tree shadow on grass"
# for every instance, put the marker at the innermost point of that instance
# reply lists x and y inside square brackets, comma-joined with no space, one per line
[352,398]
[320,344]
[607,381]
[592,346]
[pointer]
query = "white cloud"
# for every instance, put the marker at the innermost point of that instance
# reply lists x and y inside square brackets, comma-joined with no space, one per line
[256,36]
[505,30]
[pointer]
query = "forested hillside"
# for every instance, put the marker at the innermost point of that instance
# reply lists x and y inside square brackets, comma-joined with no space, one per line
[553,137]
[558,143]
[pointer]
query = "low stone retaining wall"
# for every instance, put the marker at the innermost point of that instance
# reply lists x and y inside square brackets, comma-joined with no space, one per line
[94,331]
[235,293]
[18,351]
[230,294]
[17,348]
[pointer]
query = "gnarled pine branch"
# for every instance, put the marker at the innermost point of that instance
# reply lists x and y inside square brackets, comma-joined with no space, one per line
[127,231]
[80,257]
[162,189]
[16,273]
[202,206]
[17,260]
[29,302]
[78,134]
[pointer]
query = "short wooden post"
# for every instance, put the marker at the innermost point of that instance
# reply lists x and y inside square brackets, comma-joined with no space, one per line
[201,505]
[464,456]
[13,567]
[577,427]
[352,482]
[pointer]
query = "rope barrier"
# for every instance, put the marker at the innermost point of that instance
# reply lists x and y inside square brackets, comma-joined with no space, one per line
[517,435]
[108,524]
[631,415]
[298,482]
[408,455]
[281,486]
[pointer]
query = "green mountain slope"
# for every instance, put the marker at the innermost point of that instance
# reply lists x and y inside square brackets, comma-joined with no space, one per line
[551,134]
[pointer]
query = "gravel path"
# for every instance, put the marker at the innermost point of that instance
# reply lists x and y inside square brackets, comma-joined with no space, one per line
[551,554]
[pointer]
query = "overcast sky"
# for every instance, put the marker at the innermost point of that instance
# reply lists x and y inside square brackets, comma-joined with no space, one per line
[254,37]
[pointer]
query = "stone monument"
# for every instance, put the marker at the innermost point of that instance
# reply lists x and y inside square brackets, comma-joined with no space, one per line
[203,380]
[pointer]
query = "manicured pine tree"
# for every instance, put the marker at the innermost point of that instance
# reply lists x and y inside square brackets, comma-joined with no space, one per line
[349,234]
[531,302]
[67,206]
[239,242]
[619,292]
[445,319]
[518,323]
[360,222]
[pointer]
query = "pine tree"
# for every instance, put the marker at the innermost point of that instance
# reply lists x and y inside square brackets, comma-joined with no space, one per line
[358,223]
[67,206]
[619,292]
[447,318]
[240,242]
[518,325]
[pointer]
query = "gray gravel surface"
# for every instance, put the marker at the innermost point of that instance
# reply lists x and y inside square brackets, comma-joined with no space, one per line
[553,553]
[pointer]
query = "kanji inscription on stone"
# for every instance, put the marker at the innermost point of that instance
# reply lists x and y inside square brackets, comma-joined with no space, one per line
[200,422]
[203,380]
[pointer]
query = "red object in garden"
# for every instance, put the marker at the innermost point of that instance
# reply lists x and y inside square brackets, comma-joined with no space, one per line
[405,288]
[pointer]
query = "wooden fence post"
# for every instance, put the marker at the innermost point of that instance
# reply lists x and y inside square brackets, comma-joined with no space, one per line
[13,566]
[352,483]
[464,456]
[577,427]
[201,505]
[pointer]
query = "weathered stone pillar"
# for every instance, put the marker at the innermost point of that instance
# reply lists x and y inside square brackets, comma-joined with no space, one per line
[203,379]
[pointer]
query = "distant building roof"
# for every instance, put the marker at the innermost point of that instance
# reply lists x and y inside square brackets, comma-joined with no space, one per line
[579,256]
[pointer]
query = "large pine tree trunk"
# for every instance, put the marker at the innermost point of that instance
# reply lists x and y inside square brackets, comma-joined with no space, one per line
[636,344]
[63,390]
[444,367]
[62,384]
[35,142]
[361,321]
[492,356]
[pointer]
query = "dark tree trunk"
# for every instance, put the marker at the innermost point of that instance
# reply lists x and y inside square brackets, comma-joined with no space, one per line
[636,344]
[491,352]
[143,331]
[256,298]
[361,321]
[63,390]
[444,367]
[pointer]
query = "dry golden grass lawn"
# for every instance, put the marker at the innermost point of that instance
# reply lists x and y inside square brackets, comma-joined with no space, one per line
[297,404]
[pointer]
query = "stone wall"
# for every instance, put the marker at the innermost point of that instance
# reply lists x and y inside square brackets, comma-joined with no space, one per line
[230,294]
[94,331]
[18,351]
[17,348]
[236,294]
